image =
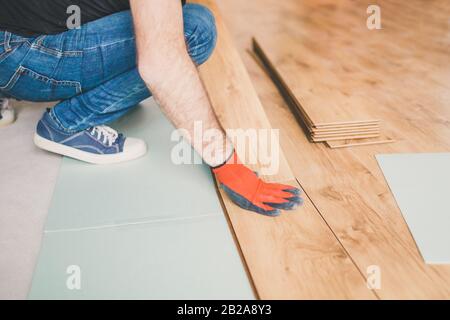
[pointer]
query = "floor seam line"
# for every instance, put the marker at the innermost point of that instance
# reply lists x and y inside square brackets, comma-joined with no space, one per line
[110,226]
[337,238]
[236,242]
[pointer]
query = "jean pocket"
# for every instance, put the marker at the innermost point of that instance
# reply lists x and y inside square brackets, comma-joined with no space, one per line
[29,85]
[4,54]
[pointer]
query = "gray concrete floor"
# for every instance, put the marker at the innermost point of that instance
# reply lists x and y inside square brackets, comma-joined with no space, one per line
[27,180]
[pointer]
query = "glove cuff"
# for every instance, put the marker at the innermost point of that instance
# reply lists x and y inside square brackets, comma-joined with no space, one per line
[232,159]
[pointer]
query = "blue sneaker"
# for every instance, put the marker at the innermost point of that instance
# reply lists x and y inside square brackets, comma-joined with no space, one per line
[97,145]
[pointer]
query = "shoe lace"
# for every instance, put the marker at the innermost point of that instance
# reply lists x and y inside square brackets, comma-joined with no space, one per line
[104,133]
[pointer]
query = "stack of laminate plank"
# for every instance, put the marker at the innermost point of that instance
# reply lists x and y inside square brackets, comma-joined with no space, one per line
[315,84]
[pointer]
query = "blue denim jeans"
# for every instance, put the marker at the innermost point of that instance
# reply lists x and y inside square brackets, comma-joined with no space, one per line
[92,71]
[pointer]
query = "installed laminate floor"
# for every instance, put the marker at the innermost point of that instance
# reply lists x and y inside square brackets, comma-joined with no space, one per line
[346,185]
[280,253]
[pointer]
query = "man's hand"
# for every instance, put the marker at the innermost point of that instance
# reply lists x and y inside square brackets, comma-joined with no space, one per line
[251,193]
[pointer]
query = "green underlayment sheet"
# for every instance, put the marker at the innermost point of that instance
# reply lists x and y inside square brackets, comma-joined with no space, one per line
[421,186]
[152,187]
[147,229]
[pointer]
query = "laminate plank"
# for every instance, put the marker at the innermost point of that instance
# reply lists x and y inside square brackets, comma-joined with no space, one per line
[411,90]
[355,143]
[346,124]
[311,82]
[295,256]
[319,139]
[346,130]
[349,134]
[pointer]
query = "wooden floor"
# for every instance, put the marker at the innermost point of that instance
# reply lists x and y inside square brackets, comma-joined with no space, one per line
[349,207]
[280,252]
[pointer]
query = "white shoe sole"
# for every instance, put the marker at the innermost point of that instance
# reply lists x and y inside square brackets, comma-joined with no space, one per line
[7,119]
[71,152]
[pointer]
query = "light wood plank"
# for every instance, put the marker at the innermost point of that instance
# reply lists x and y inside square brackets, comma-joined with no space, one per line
[344,137]
[346,130]
[355,143]
[349,134]
[295,256]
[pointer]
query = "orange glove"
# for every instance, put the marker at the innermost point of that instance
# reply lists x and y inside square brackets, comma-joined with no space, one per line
[249,192]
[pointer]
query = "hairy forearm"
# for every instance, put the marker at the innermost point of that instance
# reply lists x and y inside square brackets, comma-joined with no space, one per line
[172,77]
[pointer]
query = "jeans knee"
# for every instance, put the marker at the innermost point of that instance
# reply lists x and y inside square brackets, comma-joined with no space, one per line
[200,32]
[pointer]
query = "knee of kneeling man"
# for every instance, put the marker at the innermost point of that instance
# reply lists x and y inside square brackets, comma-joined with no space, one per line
[202,40]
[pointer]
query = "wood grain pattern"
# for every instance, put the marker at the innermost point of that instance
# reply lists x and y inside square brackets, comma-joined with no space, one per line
[404,69]
[295,256]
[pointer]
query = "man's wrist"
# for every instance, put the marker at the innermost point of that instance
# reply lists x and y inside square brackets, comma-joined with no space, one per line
[223,152]
[230,157]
